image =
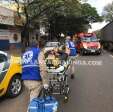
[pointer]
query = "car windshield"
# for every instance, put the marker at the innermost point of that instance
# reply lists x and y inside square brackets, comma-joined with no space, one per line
[52,44]
[3,58]
[90,39]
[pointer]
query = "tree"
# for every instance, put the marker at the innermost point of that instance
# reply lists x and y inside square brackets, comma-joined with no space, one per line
[76,21]
[90,13]
[46,10]
[61,15]
[59,18]
[34,11]
[108,12]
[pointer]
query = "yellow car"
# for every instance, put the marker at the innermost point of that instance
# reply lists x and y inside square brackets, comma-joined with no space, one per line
[10,75]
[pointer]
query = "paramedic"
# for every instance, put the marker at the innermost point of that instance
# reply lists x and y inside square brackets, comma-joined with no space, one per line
[34,73]
[71,50]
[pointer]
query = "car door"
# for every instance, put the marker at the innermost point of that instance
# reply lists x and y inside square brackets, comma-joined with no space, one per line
[4,65]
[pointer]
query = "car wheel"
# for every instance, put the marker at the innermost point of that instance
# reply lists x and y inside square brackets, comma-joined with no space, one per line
[99,53]
[15,86]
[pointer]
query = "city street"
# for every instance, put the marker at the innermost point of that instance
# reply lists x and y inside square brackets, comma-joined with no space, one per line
[91,90]
[43,36]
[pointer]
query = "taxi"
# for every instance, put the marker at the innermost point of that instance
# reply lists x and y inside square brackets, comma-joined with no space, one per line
[10,75]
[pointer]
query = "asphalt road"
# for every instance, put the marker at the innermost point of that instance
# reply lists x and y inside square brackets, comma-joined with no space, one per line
[91,90]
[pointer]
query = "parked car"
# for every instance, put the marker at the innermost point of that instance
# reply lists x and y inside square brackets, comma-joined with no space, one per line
[88,43]
[51,46]
[10,75]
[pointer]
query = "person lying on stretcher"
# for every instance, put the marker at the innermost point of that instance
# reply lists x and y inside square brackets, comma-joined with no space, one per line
[56,60]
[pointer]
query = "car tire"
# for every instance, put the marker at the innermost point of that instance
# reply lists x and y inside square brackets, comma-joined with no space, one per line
[99,53]
[15,86]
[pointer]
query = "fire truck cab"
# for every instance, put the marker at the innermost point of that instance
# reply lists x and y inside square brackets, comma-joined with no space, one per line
[88,43]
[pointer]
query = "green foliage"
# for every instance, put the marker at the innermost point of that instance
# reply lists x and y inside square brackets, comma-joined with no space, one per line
[62,15]
[76,22]
[90,13]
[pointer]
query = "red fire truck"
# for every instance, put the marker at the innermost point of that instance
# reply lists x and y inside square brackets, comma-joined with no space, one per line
[88,43]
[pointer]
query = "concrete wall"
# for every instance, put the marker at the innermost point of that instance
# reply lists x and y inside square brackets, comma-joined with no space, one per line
[7,38]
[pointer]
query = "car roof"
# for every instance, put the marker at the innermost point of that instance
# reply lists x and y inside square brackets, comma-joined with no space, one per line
[4,53]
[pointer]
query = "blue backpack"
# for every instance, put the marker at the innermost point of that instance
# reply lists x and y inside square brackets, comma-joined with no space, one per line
[46,104]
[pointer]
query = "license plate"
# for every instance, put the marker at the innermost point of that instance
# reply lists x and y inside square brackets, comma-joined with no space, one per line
[92,51]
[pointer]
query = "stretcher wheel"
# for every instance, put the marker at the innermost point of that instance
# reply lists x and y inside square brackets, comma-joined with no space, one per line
[66,98]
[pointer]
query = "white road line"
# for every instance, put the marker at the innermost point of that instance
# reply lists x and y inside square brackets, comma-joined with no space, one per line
[111,56]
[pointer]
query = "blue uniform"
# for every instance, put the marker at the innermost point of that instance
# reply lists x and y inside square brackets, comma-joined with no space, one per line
[30,68]
[71,46]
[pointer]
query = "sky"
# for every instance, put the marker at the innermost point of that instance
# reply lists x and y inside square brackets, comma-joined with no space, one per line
[99,4]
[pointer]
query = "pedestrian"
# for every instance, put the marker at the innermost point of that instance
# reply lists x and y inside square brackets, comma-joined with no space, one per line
[34,74]
[71,51]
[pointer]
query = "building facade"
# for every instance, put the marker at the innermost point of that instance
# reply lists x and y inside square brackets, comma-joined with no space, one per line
[9,32]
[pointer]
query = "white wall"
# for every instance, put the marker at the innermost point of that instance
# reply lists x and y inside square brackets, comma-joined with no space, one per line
[9,34]
[4,34]
[11,38]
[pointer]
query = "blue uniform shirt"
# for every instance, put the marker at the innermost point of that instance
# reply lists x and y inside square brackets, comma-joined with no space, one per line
[30,68]
[71,46]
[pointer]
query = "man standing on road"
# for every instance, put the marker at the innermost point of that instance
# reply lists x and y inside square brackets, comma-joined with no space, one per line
[34,74]
[71,49]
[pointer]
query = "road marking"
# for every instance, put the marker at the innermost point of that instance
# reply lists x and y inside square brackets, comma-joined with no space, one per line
[111,56]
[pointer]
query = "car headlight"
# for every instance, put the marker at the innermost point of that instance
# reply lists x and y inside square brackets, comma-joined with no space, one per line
[99,46]
[85,46]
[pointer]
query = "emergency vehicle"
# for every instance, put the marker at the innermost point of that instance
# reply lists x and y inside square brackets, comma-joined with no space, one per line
[88,43]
